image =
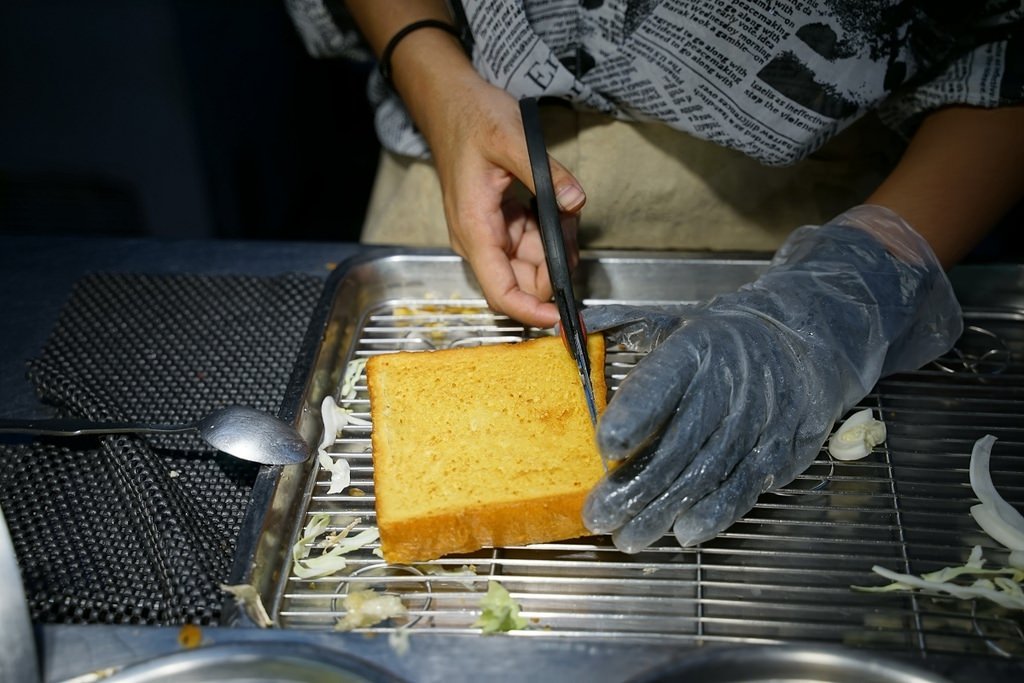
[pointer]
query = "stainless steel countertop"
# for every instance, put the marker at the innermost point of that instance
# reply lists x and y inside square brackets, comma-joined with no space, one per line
[36,275]
[69,651]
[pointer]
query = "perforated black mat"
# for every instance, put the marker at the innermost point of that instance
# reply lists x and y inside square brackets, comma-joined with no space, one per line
[125,529]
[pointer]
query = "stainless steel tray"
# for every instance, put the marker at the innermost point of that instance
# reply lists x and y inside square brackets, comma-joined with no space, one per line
[780,575]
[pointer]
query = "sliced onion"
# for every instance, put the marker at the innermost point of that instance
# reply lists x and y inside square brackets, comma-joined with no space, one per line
[999,519]
[329,416]
[998,527]
[856,436]
[341,475]
[1016,559]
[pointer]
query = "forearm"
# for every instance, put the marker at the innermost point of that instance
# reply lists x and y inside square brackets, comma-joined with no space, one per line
[963,170]
[379,21]
[426,63]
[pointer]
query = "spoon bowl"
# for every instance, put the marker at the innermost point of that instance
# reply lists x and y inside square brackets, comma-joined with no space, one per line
[239,431]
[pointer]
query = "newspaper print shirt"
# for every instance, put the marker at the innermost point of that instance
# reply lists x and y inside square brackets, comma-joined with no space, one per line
[774,79]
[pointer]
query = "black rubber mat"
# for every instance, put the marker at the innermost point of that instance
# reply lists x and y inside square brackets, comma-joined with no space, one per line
[142,530]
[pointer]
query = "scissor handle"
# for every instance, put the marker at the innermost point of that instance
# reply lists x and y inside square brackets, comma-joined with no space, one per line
[551,234]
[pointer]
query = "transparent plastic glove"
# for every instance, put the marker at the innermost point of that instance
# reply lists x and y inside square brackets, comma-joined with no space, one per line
[738,395]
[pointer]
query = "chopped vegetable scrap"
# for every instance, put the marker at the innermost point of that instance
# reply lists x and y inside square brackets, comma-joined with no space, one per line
[857,436]
[353,371]
[1000,585]
[499,612]
[335,418]
[464,575]
[997,518]
[335,546]
[341,475]
[190,636]
[249,599]
[398,641]
[366,608]
[994,515]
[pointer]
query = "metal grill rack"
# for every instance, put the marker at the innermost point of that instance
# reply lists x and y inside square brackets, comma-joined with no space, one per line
[782,574]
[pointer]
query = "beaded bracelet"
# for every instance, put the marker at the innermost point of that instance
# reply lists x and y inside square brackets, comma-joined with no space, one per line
[385,58]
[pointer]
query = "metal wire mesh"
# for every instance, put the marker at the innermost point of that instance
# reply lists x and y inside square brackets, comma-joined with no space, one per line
[781,574]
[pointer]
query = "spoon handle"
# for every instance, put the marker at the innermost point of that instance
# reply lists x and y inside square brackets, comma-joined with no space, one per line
[74,427]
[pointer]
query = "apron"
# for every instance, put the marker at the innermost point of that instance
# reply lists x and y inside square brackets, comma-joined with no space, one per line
[654,188]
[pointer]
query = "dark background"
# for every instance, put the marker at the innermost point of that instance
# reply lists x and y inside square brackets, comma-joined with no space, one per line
[177,118]
[194,119]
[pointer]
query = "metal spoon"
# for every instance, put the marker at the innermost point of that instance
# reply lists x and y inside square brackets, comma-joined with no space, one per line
[243,432]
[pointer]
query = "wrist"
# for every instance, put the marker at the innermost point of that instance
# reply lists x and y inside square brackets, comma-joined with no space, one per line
[893,232]
[868,283]
[427,66]
[421,25]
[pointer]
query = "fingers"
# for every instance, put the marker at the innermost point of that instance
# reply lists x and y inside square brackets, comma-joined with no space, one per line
[512,275]
[629,488]
[703,474]
[647,398]
[500,239]
[715,427]
[717,511]
[514,286]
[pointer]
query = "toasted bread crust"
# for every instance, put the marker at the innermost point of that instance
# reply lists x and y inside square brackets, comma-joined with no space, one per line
[483,446]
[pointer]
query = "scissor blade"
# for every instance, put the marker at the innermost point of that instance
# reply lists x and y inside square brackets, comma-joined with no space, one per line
[554,252]
[575,338]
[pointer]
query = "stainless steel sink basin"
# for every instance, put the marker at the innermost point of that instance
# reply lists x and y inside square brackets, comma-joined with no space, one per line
[254,663]
[772,664]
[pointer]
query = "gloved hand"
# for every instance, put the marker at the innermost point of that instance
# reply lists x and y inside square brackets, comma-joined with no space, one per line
[738,395]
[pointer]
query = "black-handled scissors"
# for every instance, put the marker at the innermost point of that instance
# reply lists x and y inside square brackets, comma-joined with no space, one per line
[571,324]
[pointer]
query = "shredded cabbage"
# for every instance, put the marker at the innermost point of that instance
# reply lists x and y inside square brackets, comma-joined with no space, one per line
[353,371]
[335,546]
[316,525]
[498,611]
[327,563]
[1000,585]
[996,526]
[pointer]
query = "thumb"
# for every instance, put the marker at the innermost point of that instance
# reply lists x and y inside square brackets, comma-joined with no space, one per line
[568,192]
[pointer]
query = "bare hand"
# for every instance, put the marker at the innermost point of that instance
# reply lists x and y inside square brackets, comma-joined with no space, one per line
[477,139]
